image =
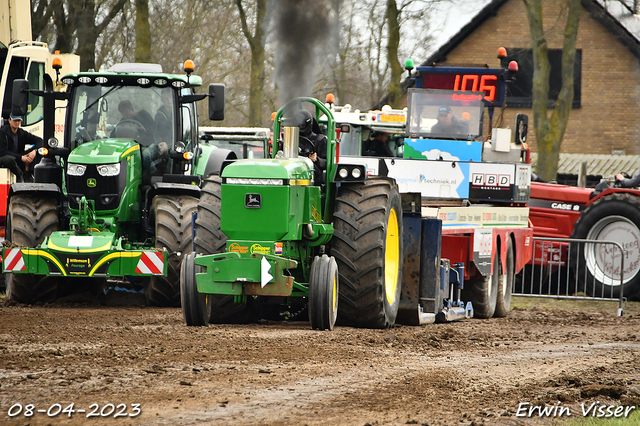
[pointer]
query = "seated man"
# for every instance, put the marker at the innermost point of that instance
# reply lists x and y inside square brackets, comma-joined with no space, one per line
[449,125]
[145,125]
[377,146]
[631,182]
[312,145]
[13,153]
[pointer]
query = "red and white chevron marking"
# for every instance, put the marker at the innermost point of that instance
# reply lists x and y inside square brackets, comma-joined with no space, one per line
[151,262]
[13,260]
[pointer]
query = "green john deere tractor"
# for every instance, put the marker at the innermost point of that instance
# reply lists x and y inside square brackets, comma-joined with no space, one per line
[269,239]
[113,207]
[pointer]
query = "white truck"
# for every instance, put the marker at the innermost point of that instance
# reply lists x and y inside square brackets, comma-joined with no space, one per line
[23,58]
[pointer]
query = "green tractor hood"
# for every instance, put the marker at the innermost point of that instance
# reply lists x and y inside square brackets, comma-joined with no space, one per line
[104,151]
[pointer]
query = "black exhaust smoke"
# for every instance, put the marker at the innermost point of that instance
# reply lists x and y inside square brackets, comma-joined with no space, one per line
[302,32]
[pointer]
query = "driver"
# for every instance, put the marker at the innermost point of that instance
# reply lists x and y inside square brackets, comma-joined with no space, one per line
[631,182]
[448,124]
[311,145]
[155,156]
[143,117]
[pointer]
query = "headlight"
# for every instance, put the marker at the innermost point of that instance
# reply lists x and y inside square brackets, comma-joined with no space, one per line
[43,151]
[52,142]
[109,169]
[76,169]
[187,155]
[343,173]
[356,173]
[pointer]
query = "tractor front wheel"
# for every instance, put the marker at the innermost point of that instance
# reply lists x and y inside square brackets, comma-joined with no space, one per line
[172,216]
[367,246]
[30,219]
[210,240]
[196,307]
[323,293]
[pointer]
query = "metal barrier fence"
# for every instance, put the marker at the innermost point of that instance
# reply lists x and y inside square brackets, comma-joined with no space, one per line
[569,268]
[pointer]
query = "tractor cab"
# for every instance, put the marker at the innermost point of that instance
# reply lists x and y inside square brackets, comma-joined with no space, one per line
[377,133]
[112,107]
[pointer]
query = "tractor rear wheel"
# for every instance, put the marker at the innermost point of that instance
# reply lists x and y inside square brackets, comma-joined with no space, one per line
[172,217]
[614,217]
[196,306]
[505,278]
[367,246]
[30,219]
[210,240]
[323,293]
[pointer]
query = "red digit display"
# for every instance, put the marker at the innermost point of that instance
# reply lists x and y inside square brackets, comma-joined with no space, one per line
[461,79]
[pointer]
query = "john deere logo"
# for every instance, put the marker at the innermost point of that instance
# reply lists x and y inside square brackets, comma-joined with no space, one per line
[91,183]
[252,201]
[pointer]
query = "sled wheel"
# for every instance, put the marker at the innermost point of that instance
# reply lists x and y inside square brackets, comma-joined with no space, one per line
[30,219]
[196,306]
[483,292]
[614,217]
[367,246]
[505,278]
[172,217]
[210,240]
[323,293]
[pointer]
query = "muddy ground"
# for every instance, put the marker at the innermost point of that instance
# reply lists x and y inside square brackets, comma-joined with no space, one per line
[283,373]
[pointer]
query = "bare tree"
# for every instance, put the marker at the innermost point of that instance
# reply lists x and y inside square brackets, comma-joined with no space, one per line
[78,24]
[550,129]
[143,31]
[257,45]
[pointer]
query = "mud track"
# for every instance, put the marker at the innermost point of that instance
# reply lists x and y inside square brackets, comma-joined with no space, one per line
[283,373]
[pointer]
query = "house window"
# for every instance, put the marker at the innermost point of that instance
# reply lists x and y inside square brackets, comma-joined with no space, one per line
[519,91]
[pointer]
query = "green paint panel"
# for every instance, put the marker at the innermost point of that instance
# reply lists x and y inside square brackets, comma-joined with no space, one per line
[104,151]
[269,222]
[267,168]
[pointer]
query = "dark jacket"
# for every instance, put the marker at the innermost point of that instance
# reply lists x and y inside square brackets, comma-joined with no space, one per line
[377,148]
[457,127]
[24,138]
[631,182]
[315,143]
[164,121]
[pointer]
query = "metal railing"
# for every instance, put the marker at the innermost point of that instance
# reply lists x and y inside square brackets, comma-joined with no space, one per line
[569,268]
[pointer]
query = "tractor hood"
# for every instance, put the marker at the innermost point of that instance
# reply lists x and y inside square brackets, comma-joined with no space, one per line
[279,168]
[102,151]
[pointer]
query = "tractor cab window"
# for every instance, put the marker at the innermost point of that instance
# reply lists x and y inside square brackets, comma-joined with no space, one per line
[33,71]
[444,114]
[145,115]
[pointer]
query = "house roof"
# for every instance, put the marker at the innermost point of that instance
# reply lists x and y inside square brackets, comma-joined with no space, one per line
[613,15]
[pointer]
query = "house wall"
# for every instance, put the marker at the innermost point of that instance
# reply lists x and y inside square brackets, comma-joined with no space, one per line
[609,116]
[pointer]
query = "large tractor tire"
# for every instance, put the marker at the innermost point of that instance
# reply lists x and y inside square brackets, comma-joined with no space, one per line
[367,246]
[196,307]
[505,278]
[614,217]
[172,217]
[210,240]
[30,219]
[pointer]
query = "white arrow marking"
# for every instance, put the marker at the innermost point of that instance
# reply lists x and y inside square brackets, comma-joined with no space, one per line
[265,276]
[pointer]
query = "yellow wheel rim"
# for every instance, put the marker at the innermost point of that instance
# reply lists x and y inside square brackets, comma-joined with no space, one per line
[391,257]
[335,294]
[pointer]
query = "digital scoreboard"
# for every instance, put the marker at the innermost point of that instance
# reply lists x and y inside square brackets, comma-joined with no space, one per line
[491,81]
